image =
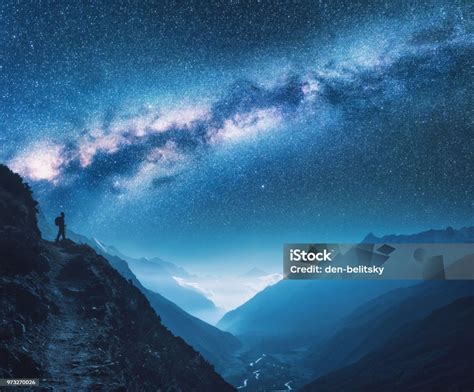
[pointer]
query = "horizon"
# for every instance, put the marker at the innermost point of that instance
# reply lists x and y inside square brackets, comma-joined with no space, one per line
[275,256]
[227,288]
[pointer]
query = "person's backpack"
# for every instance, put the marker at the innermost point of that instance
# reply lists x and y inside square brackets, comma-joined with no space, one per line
[57,221]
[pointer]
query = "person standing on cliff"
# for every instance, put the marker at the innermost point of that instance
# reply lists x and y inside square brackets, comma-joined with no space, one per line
[59,221]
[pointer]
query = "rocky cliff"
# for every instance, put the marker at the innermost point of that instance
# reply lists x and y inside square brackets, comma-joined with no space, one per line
[70,319]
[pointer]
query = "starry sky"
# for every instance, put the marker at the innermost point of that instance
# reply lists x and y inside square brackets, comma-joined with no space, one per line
[210,133]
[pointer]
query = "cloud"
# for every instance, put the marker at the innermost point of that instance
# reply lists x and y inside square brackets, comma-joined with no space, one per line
[229,291]
[209,293]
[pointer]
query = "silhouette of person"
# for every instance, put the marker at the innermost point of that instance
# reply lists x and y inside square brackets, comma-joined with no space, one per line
[59,221]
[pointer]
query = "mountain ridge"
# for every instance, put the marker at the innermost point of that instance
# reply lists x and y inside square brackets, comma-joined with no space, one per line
[434,353]
[371,324]
[447,235]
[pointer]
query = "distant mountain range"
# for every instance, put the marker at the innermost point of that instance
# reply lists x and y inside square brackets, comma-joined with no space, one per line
[277,313]
[68,318]
[448,235]
[254,272]
[318,327]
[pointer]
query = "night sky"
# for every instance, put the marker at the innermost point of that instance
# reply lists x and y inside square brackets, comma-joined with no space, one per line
[213,133]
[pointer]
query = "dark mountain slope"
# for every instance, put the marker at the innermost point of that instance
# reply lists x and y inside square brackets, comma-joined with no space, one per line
[432,354]
[70,319]
[377,320]
[293,313]
[215,345]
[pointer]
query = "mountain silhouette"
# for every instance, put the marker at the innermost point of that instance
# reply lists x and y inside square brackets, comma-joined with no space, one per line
[448,235]
[431,354]
[292,313]
[369,326]
[254,272]
[71,320]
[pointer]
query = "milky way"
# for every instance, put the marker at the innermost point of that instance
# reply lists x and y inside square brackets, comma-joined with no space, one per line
[317,121]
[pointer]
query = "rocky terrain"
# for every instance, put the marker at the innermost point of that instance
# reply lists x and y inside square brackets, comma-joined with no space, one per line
[70,319]
[216,346]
